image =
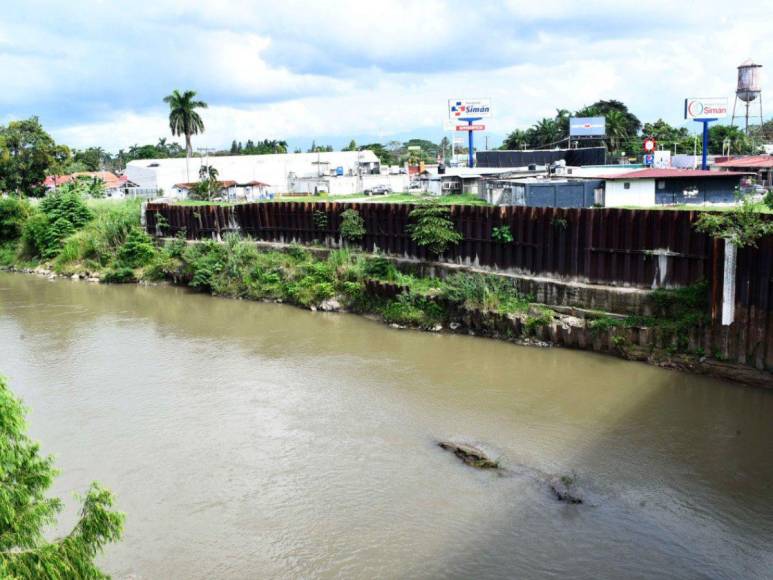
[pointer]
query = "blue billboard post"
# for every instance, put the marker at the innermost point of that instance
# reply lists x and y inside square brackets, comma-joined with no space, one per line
[704,162]
[470,141]
[469,110]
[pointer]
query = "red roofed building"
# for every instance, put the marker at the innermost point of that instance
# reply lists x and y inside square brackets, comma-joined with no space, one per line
[761,165]
[114,184]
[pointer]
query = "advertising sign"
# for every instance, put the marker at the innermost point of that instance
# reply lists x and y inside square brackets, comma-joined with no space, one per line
[587,126]
[705,108]
[469,108]
[471,127]
[649,144]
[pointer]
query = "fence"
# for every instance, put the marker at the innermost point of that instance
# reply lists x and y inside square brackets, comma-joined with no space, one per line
[618,247]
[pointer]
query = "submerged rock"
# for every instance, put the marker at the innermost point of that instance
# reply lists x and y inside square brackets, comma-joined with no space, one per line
[564,489]
[470,455]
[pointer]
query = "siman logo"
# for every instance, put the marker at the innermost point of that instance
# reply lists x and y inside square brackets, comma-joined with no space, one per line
[468,108]
[708,108]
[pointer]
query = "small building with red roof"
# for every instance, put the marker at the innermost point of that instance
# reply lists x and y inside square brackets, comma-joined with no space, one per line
[760,165]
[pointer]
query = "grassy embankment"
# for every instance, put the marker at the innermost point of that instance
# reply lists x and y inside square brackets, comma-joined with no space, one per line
[105,240]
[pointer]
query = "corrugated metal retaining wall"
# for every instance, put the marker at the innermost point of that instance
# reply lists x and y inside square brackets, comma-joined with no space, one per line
[639,248]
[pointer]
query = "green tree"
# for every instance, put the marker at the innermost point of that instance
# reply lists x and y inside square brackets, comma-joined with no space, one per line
[518,139]
[26,510]
[383,154]
[603,108]
[617,132]
[728,139]
[545,133]
[352,146]
[183,117]
[27,155]
[432,227]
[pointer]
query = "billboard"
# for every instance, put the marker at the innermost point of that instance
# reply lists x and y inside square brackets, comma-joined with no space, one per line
[587,126]
[705,108]
[469,108]
[475,127]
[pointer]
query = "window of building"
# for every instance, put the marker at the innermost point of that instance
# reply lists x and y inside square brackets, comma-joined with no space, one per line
[661,184]
[627,185]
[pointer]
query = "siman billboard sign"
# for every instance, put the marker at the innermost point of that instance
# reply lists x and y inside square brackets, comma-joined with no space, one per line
[705,108]
[469,108]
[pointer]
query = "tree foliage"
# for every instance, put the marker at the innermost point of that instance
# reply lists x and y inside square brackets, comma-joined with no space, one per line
[60,215]
[183,117]
[26,510]
[27,155]
[742,226]
[432,227]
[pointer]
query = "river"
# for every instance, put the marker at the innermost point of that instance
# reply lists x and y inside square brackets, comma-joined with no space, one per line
[249,440]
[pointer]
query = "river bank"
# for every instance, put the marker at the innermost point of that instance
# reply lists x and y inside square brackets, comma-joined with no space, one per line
[460,302]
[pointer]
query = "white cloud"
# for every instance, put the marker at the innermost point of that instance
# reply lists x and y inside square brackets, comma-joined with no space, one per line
[299,70]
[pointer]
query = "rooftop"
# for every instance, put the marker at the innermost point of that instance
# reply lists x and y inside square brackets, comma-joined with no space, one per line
[752,162]
[654,173]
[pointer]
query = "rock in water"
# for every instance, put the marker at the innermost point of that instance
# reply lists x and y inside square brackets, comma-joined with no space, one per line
[564,489]
[470,455]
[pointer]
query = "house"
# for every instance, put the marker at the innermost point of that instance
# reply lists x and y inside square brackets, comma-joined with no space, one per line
[116,186]
[649,187]
[760,165]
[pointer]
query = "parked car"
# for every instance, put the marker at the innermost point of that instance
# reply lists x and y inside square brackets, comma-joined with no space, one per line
[378,190]
[414,186]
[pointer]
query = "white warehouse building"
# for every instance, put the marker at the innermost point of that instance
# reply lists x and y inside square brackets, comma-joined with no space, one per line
[338,172]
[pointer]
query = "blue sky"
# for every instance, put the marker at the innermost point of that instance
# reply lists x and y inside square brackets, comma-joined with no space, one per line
[96,71]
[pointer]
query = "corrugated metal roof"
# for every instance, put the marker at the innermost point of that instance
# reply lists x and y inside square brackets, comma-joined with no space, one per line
[654,173]
[751,162]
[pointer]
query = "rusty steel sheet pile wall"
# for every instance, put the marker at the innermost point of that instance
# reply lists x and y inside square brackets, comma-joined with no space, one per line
[617,247]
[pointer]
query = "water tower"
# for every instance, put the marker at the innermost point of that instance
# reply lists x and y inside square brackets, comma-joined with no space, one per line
[748,89]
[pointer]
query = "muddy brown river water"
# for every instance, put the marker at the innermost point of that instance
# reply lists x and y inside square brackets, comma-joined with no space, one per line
[249,440]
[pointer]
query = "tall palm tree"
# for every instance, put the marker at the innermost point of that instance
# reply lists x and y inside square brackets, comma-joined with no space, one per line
[616,129]
[183,118]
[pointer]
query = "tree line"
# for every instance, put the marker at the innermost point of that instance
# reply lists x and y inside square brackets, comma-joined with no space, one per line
[625,133]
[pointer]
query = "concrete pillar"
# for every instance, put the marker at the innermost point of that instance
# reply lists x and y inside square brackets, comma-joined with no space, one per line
[728,286]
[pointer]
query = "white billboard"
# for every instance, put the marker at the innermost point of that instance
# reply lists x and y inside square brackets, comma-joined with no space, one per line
[587,126]
[705,108]
[469,108]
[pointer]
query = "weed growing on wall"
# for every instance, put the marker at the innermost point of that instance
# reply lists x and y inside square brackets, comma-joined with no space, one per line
[432,227]
[352,225]
[502,234]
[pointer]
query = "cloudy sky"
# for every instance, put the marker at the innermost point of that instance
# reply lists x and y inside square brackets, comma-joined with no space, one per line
[95,72]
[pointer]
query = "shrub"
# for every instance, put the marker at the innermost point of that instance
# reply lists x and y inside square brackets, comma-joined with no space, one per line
[742,226]
[60,215]
[502,234]
[412,310]
[433,228]
[119,275]
[13,213]
[138,249]
[379,267]
[483,292]
[352,225]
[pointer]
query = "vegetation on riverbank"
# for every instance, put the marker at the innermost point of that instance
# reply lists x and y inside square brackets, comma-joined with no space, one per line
[104,240]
